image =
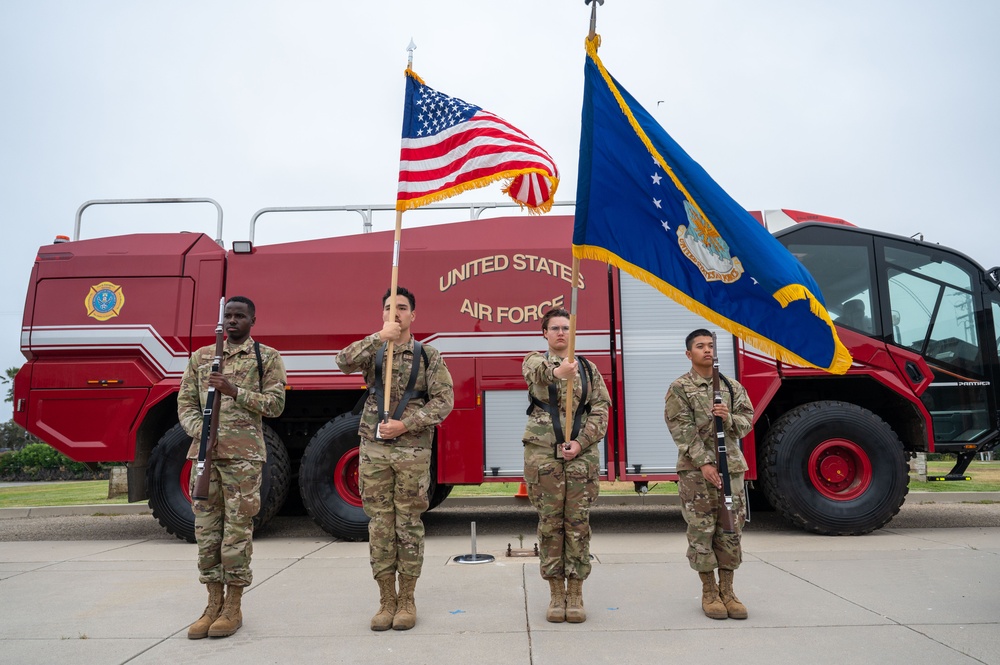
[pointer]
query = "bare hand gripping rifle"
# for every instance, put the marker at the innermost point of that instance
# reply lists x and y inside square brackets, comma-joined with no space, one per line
[210,418]
[726,520]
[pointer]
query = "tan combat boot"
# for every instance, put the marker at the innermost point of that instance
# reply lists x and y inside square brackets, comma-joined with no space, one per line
[557,604]
[232,617]
[406,608]
[710,601]
[734,607]
[574,601]
[199,628]
[387,602]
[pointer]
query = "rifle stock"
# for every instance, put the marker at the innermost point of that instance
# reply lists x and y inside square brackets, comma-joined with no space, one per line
[725,519]
[210,419]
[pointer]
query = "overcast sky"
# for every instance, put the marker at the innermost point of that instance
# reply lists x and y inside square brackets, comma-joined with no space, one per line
[882,112]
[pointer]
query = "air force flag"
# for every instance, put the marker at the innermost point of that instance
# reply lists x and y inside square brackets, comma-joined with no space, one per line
[644,206]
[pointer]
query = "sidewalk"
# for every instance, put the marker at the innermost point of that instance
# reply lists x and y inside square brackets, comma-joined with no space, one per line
[142,508]
[913,596]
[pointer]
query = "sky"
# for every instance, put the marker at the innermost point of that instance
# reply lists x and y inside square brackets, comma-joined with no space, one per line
[884,113]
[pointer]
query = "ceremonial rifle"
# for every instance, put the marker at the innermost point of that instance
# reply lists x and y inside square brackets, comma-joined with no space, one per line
[726,520]
[210,418]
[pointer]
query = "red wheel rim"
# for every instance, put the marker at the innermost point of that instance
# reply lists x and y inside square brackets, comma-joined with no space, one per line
[345,478]
[186,479]
[840,469]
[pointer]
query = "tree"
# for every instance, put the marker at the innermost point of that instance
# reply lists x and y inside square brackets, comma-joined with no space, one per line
[12,435]
[9,378]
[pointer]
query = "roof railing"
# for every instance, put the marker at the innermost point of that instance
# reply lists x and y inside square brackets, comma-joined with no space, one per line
[475,210]
[79,212]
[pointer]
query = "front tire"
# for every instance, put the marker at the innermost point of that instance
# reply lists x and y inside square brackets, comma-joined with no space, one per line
[169,471]
[834,468]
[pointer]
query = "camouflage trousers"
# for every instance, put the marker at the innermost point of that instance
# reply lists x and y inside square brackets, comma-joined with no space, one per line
[562,493]
[223,523]
[708,546]
[394,483]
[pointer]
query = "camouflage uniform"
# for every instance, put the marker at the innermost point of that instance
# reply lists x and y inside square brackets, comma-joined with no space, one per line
[688,413]
[394,476]
[223,523]
[562,492]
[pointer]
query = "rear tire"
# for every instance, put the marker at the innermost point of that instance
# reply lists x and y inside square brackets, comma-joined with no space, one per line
[328,480]
[834,468]
[169,471]
[438,493]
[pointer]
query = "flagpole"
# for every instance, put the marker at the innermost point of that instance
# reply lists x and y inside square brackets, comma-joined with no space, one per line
[568,430]
[397,235]
[593,17]
[392,312]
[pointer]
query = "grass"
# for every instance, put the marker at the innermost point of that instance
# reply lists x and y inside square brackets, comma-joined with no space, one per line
[985,478]
[82,492]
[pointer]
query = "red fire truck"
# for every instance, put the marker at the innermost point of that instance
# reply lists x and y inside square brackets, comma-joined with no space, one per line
[109,324]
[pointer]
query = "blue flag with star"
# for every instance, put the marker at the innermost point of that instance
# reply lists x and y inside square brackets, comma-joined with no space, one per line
[644,206]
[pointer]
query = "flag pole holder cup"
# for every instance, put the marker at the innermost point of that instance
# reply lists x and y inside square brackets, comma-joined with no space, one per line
[474,557]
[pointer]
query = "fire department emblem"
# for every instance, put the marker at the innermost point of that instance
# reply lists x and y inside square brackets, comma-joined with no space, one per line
[104,301]
[703,245]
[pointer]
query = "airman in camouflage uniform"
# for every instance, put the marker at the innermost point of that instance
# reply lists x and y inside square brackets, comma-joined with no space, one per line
[690,414]
[223,523]
[394,470]
[561,477]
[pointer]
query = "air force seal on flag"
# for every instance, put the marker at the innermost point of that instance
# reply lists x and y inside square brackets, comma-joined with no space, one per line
[703,245]
[104,301]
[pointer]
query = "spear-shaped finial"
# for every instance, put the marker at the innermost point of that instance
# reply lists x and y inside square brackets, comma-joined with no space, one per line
[593,16]
[409,52]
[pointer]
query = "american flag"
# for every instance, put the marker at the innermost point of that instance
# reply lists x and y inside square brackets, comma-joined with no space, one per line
[450,146]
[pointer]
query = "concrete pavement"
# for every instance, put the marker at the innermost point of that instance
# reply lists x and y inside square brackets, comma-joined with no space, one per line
[142,508]
[909,596]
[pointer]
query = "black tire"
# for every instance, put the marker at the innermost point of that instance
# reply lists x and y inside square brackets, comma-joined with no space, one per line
[333,501]
[834,468]
[276,481]
[757,501]
[166,482]
[328,480]
[438,493]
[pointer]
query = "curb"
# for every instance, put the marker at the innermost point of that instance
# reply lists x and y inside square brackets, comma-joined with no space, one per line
[475,501]
[69,511]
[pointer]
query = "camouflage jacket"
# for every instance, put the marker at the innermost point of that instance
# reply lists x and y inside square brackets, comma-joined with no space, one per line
[241,435]
[537,369]
[420,415]
[688,413]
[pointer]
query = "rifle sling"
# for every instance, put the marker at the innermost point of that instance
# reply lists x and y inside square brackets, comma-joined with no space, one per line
[721,455]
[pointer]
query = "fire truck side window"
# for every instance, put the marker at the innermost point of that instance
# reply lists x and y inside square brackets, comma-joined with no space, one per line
[842,268]
[934,313]
[995,306]
[933,310]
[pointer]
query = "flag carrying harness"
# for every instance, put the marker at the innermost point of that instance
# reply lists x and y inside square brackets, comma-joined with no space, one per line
[552,407]
[378,387]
